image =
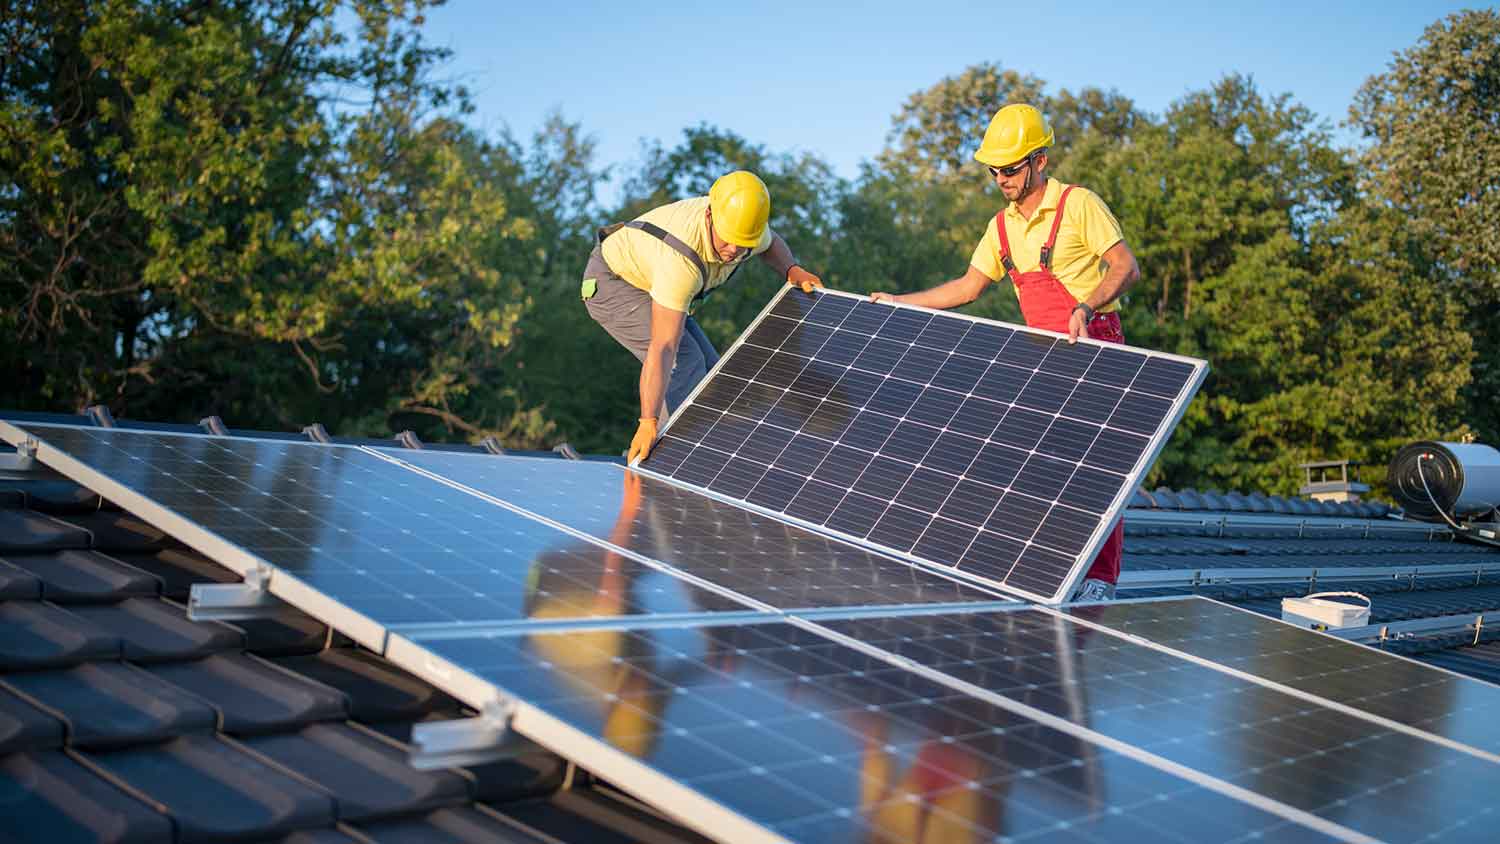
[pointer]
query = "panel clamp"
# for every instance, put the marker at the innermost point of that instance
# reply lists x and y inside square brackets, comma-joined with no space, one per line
[461,742]
[234,601]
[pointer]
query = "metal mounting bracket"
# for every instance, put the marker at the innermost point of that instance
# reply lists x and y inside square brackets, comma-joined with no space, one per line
[23,464]
[233,601]
[486,737]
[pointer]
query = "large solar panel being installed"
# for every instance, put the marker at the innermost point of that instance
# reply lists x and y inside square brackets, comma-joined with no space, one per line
[999,451]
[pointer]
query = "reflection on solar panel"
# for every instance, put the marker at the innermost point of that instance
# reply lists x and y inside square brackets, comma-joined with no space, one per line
[383,541]
[1001,451]
[778,564]
[816,742]
[1346,769]
[1401,690]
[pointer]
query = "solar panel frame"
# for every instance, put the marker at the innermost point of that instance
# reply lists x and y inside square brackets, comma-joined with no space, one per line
[853,515]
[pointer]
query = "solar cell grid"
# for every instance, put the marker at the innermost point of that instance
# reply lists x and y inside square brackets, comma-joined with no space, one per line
[1447,705]
[817,742]
[1351,771]
[889,424]
[761,558]
[383,541]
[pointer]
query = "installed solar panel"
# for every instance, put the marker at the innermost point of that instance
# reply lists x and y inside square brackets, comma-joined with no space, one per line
[1348,770]
[999,451]
[778,564]
[1401,690]
[816,742]
[384,542]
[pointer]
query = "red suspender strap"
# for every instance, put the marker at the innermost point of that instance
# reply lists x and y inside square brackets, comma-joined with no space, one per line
[1005,259]
[1056,224]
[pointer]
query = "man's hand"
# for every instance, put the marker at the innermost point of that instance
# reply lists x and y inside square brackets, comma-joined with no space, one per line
[798,277]
[645,437]
[1078,325]
[882,296]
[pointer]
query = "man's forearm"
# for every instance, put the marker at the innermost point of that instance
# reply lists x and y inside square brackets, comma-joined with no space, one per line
[1119,278]
[655,371]
[779,257]
[949,294]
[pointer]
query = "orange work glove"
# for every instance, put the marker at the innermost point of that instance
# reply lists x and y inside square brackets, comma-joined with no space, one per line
[798,277]
[645,437]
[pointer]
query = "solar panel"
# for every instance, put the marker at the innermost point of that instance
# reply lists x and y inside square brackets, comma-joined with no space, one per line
[813,741]
[1348,770]
[384,542]
[1001,452]
[777,564]
[1401,690]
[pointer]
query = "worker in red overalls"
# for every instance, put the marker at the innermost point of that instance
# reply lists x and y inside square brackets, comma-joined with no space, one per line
[1062,250]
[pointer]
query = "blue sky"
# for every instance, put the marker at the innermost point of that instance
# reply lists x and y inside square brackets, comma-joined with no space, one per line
[827,77]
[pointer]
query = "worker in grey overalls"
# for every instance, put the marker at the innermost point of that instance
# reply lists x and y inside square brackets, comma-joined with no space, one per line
[645,277]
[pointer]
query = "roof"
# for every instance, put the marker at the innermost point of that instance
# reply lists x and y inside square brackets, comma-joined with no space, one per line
[121,719]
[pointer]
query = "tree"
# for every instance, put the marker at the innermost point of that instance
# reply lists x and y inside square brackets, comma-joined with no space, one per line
[1258,254]
[237,208]
[1432,121]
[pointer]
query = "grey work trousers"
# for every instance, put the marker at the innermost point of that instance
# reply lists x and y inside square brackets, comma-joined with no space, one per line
[624,310]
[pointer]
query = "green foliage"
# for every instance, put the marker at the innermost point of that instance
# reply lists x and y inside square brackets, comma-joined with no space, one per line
[1433,123]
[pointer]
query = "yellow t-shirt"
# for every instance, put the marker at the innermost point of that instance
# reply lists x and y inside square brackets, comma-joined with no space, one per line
[650,264]
[1088,230]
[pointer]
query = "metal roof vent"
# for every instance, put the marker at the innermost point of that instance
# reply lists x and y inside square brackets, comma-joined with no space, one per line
[1328,480]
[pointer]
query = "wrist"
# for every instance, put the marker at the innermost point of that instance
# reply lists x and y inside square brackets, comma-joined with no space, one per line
[1088,312]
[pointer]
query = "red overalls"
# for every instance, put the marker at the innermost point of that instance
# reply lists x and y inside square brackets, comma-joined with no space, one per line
[1047,304]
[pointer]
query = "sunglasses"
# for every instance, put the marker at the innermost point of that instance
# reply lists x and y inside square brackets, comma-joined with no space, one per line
[1012,170]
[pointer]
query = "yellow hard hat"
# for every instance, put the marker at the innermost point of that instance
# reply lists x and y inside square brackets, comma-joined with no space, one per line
[1015,132]
[741,205]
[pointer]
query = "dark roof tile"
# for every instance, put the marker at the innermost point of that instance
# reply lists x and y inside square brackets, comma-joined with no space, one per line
[109,704]
[18,584]
[24,727]
[319,836]
[215,791]
[178,569]
[119,532]
[54,496]
[253,696]
[26,531]
[38,635]
[366,774]
[588,814]
[465,825]
[75,576]
[377,690]
[153,630]
[529,774]
[286,632]
[55,799]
